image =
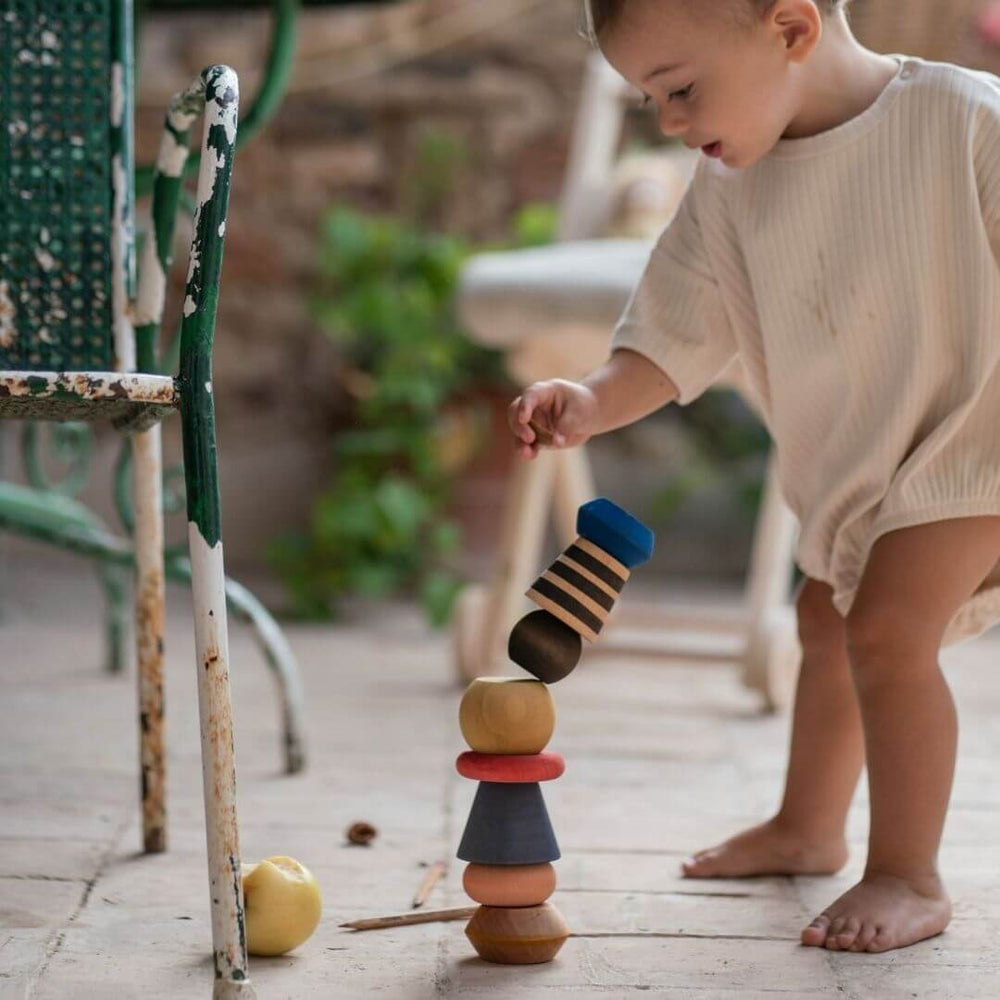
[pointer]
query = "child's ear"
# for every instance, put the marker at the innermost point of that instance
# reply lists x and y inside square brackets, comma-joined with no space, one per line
[799,25]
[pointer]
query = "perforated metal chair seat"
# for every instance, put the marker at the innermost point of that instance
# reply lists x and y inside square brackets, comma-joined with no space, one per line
[131,401]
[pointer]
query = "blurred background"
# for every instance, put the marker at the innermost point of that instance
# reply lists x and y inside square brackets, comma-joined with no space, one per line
[361,435]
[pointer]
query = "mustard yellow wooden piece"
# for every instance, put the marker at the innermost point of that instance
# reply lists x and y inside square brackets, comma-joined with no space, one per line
[508,715]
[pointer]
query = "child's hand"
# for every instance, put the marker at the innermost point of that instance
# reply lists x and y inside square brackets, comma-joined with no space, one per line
[556,414]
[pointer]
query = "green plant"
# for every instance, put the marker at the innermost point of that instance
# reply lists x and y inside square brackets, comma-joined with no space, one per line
[380,527]
[535,224]
[730,444]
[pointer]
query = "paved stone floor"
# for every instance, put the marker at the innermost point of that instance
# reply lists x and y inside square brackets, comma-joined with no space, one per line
[661,759]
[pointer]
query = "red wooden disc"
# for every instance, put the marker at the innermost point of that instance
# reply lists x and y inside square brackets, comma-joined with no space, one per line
[510,768]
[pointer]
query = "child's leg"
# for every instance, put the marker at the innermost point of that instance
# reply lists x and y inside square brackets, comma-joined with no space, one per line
[826,757]
[915,581]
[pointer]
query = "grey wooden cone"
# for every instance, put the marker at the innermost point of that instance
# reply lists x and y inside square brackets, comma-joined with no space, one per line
[508,825]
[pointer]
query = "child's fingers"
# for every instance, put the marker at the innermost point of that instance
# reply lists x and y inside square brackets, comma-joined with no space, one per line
[543,435]
[521,430]
[525,452]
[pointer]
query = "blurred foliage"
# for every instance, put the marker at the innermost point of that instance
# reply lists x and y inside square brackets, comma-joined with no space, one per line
[730,445]
[535,224]
[441,158]
[380,527]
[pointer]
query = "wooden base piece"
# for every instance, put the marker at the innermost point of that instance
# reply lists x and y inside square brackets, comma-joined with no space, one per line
[523,936]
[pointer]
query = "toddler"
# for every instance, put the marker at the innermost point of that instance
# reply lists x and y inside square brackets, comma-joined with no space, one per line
[839,239]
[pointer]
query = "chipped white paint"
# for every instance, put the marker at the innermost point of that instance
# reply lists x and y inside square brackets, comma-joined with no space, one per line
[150,608]
[26,56]
[117,94]
[135,387]
[218,764]
[17,127]
[45,260]
[152,292]
[8,331]
[211,161]
[50,40]
[208,387]
[172,155]
[194,260]
[44,235]
[125,358]
[227,116]
[189,306]
[222,228]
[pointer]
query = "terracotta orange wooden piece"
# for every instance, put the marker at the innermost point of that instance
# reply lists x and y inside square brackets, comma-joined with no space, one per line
[509,885]
[507,715]
[510,768]
[521,936]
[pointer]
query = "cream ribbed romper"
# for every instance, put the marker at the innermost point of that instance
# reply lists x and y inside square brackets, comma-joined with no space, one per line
[854,275]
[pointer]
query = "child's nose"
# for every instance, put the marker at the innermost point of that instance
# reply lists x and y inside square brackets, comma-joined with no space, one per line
[672,124]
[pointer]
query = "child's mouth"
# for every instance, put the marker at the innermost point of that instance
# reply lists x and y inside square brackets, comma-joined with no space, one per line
[713,149]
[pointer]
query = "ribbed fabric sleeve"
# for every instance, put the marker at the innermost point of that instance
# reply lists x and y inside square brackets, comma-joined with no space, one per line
[855,274]
[676,316]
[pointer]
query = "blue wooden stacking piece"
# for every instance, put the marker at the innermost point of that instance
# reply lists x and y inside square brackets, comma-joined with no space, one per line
[508,825]
[581,587]
[616,531]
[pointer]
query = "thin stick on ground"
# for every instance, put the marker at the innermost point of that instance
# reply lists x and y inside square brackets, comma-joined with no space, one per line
[433,876]
[402,919]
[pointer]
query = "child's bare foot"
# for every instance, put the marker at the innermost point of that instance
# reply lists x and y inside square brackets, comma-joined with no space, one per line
[767,849]
[882,912]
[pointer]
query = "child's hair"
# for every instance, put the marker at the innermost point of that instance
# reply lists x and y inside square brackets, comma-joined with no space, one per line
[599,15]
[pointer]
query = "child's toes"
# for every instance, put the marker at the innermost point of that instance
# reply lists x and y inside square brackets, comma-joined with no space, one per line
[865,937]
[698,864]
[848,934]
[833,932]
[815,934]
[882,941]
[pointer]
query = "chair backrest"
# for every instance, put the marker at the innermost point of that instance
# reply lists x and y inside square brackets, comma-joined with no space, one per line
[597,130]
[604,193]
[66,168]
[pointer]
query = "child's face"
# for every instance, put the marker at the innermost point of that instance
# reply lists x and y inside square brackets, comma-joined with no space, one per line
[719,86]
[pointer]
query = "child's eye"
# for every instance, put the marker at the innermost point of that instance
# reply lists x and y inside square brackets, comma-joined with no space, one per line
[681,95]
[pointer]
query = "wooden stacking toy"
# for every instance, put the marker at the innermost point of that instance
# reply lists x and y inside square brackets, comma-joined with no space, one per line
[508,840]
[578,592]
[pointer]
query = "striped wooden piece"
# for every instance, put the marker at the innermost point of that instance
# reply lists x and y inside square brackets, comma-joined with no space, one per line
[580,588]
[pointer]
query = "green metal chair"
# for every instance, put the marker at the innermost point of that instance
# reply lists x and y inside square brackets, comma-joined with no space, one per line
[77,343]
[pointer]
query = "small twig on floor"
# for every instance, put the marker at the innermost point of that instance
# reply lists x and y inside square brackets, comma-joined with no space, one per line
[433,876]
[402,919]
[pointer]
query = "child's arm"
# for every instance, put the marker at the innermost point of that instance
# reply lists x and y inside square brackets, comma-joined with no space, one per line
[563,414]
